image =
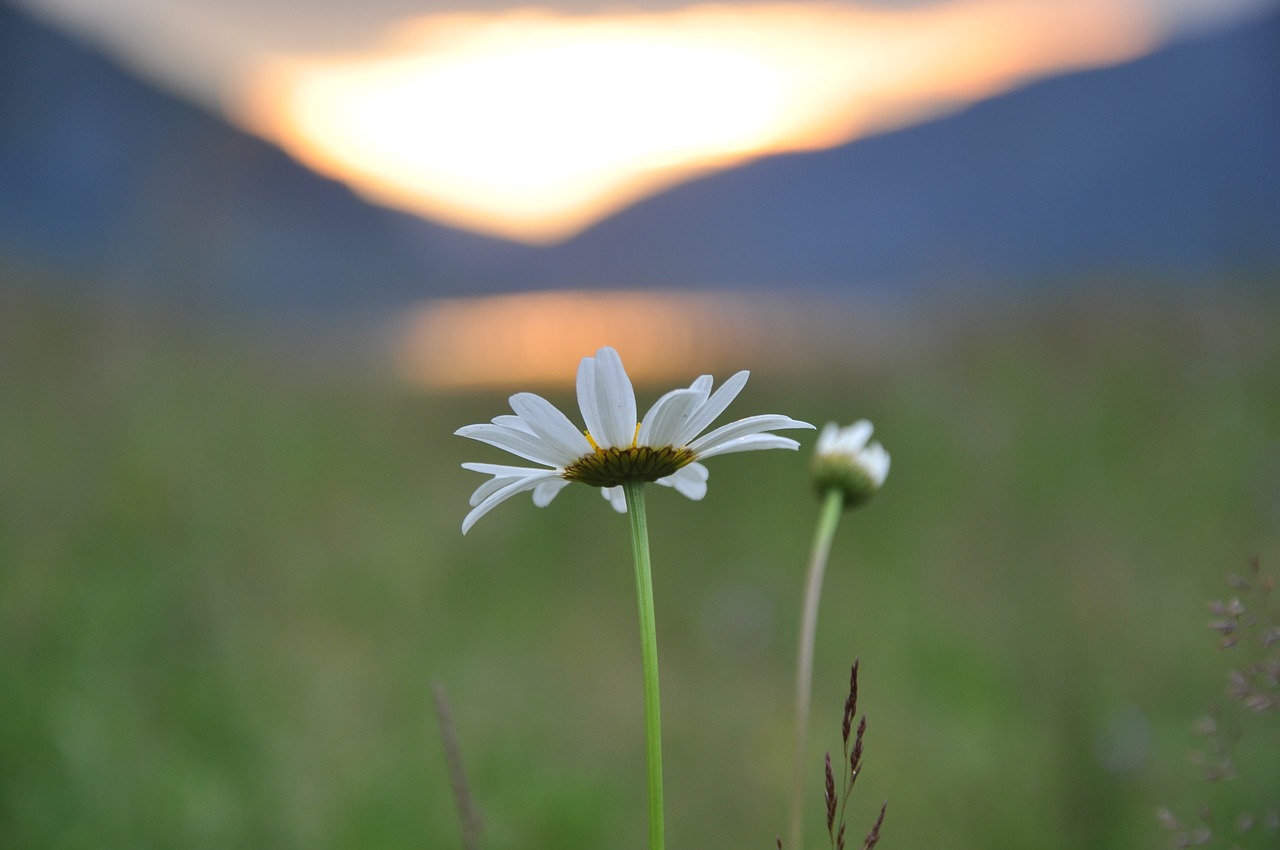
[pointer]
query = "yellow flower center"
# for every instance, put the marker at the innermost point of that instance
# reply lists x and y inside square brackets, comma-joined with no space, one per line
[611,467]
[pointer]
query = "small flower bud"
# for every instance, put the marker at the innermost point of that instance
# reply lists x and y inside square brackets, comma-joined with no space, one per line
[845,461]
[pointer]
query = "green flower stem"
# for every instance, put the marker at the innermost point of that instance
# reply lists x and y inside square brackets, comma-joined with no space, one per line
[828,519]
[649,648]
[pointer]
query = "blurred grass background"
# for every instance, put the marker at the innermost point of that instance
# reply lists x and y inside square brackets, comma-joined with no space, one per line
[228,578]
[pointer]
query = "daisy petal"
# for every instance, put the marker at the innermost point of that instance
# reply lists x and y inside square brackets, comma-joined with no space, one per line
[742,428]
[851,440]
[520,443]
[703,384]
[876,460]
[667,418]
[587,399]
[546,421]
[607,400]
[689,481]
[826,437]
[713,407]
[487,489]
[510,420]
[517,485]
[615,496]
[502,469]
[502,476]
[750,443]
[547,490]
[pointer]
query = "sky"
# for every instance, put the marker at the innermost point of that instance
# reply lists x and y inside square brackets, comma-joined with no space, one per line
[532,122]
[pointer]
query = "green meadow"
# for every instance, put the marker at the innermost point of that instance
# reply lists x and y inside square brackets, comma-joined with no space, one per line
[230,575]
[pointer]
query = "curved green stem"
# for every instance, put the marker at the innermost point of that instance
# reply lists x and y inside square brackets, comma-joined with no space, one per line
[649,648]
[828,519]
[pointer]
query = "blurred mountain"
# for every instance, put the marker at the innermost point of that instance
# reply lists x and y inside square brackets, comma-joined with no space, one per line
[1166,168]
[108,181]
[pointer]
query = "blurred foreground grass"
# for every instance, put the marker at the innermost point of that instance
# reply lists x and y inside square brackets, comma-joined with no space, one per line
[228,579]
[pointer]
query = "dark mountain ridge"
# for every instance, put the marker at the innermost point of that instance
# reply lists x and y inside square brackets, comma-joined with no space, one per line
[1164,167]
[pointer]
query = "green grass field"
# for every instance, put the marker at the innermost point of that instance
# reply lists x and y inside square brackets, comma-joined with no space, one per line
[227,581]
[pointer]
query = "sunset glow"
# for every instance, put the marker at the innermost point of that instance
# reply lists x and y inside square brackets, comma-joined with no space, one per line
[537,339]
[534,124]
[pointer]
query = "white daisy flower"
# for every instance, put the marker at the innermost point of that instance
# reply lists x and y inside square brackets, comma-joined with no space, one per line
[844,459]
[616,447]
